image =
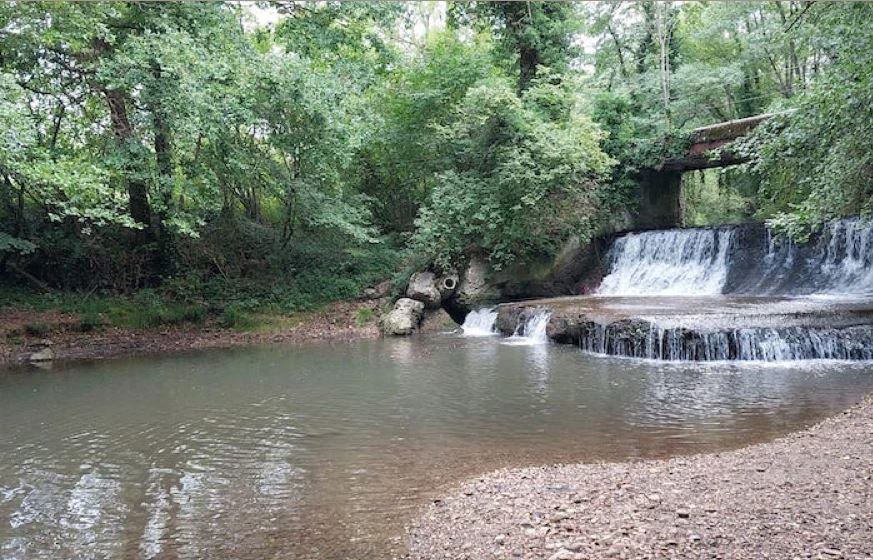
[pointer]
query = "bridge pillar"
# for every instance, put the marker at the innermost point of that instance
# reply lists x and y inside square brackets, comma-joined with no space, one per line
[660,196]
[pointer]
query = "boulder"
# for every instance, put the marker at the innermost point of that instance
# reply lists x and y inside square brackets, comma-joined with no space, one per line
[474,285]
[473,290]
[437,321]
[423,287]
[448,284]
[41,351]
[379,291]
[404,318]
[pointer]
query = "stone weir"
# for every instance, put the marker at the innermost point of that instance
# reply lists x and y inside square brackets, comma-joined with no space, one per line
[704,328]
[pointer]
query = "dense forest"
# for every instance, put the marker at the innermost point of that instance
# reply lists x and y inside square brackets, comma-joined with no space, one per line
[195,159]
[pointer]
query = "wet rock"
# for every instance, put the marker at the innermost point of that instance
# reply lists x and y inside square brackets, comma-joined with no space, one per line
[423,287]
[404,319]
[41,351]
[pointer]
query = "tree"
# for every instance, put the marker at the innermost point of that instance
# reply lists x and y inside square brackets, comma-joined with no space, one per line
[521,178]
[530,34]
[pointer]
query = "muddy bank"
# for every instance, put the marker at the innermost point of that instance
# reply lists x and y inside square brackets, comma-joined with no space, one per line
[338,321]
[807,495]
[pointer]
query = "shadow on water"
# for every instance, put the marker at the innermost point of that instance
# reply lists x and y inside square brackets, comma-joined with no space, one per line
[324,450]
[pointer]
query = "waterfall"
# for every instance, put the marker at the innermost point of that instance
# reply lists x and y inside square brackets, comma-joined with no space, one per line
[480,322]
[745,344]
[847,263]
[531,329]
[669,262]
[746,259]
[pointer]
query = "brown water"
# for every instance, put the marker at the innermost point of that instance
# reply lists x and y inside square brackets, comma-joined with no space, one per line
[325,450]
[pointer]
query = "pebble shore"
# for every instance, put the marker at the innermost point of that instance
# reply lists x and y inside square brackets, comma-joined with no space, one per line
[807,495]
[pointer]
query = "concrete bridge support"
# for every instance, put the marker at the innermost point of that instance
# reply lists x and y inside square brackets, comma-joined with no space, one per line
[660,200]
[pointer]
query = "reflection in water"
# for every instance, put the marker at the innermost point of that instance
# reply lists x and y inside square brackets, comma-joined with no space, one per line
[322,451]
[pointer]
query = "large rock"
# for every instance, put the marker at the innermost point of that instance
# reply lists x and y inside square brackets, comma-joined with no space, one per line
[437,321]
[379,291]
[423,287]
[404,318]
[41,351]
[448,284]
[474,284]
[473,290]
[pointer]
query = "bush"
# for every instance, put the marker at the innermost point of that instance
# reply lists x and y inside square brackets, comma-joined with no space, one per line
[364,316]
[521,177]
[89,322]
[37,329]
[235,317]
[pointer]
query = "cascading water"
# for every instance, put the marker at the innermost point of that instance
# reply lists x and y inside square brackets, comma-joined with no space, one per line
[847,265]
[531,330]
[480,322]
[744,344]
[670,262]
[742,260]
[746,260]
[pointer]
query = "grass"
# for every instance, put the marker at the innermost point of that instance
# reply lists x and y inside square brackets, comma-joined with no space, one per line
[364,316]
[239,304]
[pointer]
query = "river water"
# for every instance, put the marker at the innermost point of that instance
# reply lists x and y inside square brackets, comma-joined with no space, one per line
[326,450]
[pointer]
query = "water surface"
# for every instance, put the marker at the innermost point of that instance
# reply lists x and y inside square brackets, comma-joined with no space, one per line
[325,450]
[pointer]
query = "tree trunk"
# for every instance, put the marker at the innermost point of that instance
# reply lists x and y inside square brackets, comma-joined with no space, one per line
[528,60]
[137,188]
[164,162]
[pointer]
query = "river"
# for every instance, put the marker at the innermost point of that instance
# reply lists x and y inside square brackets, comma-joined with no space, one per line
[326,450]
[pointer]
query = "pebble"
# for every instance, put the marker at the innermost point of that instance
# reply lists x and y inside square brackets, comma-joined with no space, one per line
[799,506]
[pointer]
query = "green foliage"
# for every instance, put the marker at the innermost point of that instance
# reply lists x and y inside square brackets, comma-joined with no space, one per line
[397,164]
[230,170]
[518,182]
[529,34]
[236,317]
[90,321]
[714,196]
[364,316]
[817,163]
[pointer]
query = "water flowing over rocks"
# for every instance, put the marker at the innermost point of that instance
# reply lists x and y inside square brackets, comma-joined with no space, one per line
[725,293]
[807,495]
[704,328]
[748,259]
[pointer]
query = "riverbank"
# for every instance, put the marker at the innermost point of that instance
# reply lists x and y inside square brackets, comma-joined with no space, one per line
[807,495]
[20,329]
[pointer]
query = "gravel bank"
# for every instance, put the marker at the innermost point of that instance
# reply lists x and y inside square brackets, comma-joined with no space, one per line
[807,495]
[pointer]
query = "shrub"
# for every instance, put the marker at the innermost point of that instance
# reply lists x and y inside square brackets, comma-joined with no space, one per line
[89,322]
[364,316]
[37,329]
[236,317]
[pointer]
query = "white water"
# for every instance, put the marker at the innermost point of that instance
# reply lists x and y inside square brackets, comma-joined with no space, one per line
[532,331]
[670,262]
[745,344]
[848,258]
[480,322]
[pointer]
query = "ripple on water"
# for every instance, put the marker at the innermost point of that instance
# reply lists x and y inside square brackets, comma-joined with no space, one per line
[322,451]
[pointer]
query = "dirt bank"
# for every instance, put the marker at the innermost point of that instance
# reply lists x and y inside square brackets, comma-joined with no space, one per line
[807,495]
[339,321]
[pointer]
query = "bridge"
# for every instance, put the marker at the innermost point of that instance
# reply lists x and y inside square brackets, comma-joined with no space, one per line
[708,147]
